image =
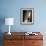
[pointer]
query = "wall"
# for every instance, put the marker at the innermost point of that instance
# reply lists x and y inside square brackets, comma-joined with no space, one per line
[11,8]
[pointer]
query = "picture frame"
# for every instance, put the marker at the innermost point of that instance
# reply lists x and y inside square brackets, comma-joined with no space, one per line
[27,15]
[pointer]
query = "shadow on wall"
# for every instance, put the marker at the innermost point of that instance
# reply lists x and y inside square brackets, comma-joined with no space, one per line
[2,21]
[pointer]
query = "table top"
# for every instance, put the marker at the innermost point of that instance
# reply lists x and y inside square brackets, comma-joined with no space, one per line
[22,35]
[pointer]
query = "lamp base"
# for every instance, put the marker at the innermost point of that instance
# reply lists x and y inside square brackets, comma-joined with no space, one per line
[9,33]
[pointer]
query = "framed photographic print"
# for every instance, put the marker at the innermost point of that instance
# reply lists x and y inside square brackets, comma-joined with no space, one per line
[27,15]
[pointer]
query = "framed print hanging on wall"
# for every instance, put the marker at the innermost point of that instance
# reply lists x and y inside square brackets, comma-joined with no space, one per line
[27,15]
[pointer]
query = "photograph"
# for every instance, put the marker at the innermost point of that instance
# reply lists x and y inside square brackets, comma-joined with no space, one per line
[27,15]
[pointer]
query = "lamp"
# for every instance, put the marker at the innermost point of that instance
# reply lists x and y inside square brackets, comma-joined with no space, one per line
[9,21]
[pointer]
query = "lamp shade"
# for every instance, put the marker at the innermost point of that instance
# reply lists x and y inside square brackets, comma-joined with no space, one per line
[9,21]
